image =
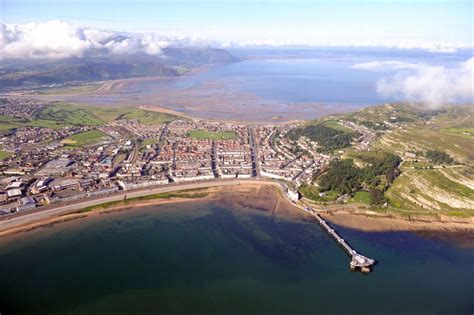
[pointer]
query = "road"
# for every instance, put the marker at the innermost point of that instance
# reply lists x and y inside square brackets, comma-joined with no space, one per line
[33,216]
[254,152]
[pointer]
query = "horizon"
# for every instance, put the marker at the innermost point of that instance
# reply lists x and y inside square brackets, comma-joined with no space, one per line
[426,24]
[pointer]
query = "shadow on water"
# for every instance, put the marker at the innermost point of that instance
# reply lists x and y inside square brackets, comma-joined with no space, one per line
[215,259]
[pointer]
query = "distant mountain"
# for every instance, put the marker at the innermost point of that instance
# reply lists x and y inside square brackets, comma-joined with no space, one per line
[196,56]
[16,74]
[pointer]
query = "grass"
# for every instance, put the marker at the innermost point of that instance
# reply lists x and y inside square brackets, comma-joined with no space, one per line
[460,132]
[8,123]
[335,125]
[439,186]
[70,89]
[418,164]
[4,154]
[68,114]
[72,114]
[312,193]
[423,138]
[149,142]
[219,135]
[361,158]
[129,201]
[84,138]
[145,116]
[362,197]
[60,114]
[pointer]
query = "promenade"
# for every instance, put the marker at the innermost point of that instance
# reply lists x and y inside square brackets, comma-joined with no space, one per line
[358,261]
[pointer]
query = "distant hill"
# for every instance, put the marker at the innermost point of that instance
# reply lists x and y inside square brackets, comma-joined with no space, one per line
[16,74]
[196,56]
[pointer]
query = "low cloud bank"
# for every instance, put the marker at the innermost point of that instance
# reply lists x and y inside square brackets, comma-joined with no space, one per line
[58,39]
[433,85]
[384,65]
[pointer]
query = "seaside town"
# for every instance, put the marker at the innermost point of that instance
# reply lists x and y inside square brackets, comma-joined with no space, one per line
[51,165]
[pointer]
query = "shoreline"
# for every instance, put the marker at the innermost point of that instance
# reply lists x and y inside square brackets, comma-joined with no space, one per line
[210,190]
[385,223]
[80,215]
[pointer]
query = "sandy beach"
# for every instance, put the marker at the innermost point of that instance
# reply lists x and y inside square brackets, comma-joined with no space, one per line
[250,195]
[245,194]
[370,223]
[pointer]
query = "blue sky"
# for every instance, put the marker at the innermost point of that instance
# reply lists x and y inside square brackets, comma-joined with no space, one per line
[297,21]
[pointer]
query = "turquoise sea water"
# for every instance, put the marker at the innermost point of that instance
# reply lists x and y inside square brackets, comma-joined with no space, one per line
[208,258]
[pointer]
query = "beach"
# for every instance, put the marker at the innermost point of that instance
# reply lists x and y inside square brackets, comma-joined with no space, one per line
[251,195]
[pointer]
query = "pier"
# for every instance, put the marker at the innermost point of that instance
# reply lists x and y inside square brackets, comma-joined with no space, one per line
[358,261]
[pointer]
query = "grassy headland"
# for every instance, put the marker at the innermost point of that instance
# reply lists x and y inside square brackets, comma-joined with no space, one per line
[436,176]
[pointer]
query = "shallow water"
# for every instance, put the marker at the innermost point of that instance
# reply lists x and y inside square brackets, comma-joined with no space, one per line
[300,84]
[207,258]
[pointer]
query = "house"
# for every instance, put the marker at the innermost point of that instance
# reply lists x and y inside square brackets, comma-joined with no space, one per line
[26,201]
[15,185]
[14,193]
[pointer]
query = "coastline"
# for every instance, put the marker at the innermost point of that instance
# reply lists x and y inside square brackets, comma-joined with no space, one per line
[135,199]
[80,215]
[384,223]
[249,193]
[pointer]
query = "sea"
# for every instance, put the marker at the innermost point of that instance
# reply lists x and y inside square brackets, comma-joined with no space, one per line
[207,257]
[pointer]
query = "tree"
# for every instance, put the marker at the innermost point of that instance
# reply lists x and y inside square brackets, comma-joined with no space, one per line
[377,197]
[439,157]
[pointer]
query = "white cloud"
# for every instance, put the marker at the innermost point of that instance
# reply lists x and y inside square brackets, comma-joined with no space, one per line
[53,39]
[446,48]
[387,64]
[433,85]
[443,50]
[58,39]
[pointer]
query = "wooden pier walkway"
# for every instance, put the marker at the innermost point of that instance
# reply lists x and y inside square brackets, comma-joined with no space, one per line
[358,261]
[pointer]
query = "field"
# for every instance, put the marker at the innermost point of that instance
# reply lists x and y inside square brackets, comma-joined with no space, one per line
[70,115]
[84,138]
[4,154]
[219,135]
[312,193]
[362,197]
[58,115]
[8,123]
[335,125]
[87,115]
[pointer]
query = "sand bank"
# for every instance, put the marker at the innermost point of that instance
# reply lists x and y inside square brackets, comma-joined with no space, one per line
[379,223]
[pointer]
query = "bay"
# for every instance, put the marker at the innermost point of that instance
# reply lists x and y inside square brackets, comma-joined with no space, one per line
[212,258]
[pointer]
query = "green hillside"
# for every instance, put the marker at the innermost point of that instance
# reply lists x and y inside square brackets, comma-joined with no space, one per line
[437,149]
